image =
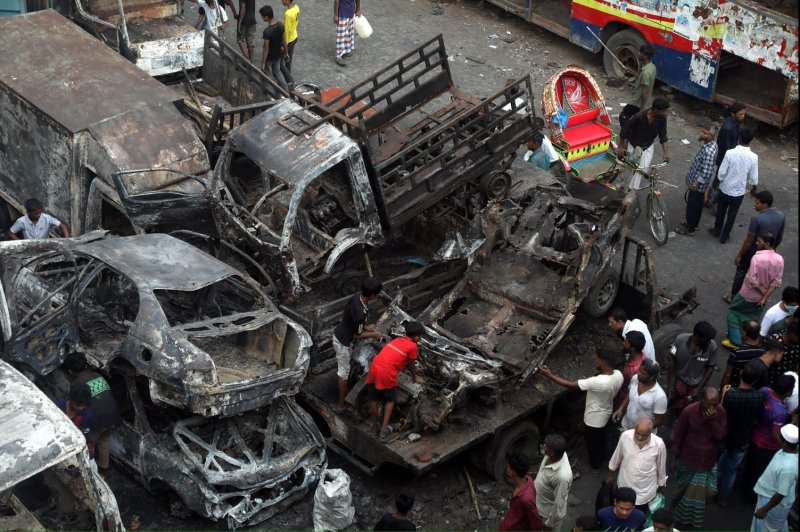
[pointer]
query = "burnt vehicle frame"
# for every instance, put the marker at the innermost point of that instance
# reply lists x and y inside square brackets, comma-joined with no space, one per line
[306,181]
[480,391]
[162,356]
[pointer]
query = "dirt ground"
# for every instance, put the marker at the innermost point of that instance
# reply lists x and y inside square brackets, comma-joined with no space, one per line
[443,498]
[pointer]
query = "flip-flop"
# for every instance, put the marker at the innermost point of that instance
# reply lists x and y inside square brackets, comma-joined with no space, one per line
[385,437]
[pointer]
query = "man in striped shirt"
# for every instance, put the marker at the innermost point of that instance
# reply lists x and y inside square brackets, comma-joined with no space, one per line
[699,177]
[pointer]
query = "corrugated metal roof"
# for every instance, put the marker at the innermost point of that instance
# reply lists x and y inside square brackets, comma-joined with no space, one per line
[69,75]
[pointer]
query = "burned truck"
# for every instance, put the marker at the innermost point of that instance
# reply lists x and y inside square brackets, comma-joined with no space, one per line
[201,362]
[70,111]
[312,179]
[152,34]
[546,253]
[69,119]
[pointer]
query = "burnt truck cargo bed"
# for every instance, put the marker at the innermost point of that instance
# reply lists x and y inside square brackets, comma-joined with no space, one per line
[470,425]
[422,137]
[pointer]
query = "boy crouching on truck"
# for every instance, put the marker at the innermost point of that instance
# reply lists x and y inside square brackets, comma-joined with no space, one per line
[382,377]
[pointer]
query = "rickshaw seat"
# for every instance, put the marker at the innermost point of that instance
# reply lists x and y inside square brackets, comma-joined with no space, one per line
[584,134]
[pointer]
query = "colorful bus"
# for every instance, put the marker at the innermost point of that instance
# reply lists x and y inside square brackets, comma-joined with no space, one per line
[719,51]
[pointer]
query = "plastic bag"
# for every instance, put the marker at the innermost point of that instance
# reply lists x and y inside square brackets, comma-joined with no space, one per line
[362,26]
[658,502]
[333,502]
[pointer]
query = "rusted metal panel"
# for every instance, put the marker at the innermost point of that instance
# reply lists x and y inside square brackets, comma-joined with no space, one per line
[60,70]
[36,157]
[236,78]
[163,139]
[293,158]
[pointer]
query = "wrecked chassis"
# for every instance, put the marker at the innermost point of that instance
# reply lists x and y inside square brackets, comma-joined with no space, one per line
[201,362]
[546,254]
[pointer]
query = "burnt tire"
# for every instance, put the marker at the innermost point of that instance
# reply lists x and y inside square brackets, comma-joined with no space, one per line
[602,294]
[495,184]
[625,44]
[663,339]
[522,437]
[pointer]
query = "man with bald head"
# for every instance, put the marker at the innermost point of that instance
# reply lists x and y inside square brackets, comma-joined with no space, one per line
[641,458]
[700,429]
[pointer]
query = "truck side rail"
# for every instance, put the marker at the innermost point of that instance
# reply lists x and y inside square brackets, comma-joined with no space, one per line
[224,119]
[399,88]
[461,149]
[391,93]
[230,73]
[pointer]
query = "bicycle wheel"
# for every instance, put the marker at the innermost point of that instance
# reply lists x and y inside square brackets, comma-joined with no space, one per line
[657,214]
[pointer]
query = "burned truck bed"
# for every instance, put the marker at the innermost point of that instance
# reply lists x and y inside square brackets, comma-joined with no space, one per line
[545,251]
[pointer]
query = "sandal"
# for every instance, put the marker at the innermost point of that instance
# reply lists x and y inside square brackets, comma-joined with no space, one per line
[384,437]
[683,230]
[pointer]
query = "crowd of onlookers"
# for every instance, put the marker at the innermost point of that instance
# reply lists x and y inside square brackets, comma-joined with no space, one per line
[741,434]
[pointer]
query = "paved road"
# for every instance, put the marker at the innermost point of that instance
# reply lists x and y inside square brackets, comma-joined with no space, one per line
[400,25]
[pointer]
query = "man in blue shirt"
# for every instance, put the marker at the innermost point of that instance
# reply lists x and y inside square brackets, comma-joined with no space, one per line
[699,177]
[776,486]
[623,516]
[538,157]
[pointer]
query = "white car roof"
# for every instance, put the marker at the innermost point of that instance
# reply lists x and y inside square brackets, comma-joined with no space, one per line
[34,433]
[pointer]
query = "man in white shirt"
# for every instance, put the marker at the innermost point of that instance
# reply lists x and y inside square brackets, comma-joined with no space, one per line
[663,521]
[646,398]
[785,307]
[36,225]
[620,324]
[641,458]
[738,169]
[211,16]
[601,390]
[553,482]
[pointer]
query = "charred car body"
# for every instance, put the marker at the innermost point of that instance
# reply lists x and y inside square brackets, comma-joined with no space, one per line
[38,442]
[203,363]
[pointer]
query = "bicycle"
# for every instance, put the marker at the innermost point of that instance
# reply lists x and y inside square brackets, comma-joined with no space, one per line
[655,208]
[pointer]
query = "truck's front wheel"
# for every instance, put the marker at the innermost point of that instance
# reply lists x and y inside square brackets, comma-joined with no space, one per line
[522,437]
[625,44]
[602,294]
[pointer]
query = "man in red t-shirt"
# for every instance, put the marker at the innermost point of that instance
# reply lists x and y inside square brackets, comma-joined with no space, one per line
[382,377]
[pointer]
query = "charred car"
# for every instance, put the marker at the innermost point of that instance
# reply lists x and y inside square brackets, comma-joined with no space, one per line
[40,446]
[203,362]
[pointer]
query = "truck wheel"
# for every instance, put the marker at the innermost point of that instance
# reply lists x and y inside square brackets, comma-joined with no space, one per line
[602,294]
[664,338]
[625,44]
[522,437]
[495,184]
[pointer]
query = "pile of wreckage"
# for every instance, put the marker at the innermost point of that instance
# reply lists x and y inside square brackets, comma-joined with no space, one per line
[275,215]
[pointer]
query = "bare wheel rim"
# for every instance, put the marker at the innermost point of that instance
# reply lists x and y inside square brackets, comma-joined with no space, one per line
[498,185]
[657,213]
[628,56]
[607,292]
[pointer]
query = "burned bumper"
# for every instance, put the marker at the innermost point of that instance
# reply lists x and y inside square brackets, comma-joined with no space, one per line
[252,466]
